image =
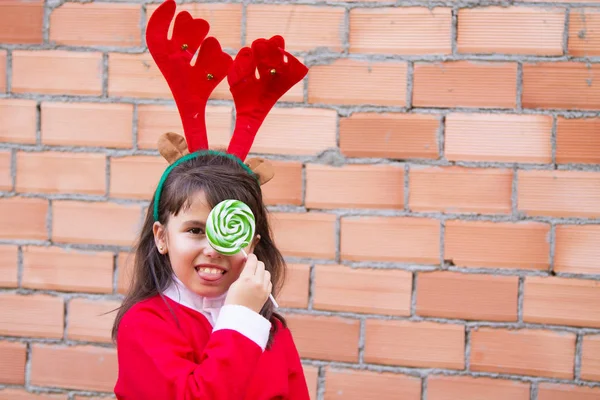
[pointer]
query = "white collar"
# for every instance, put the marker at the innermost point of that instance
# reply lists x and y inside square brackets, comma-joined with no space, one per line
[207,306]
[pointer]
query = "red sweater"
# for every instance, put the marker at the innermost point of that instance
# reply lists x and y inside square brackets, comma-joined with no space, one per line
[160,360]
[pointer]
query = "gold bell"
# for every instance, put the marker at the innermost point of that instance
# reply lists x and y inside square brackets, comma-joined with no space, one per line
[273,71]
[184,46]
[209,77]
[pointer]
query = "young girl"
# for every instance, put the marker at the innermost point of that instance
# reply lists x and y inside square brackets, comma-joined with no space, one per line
[197,324]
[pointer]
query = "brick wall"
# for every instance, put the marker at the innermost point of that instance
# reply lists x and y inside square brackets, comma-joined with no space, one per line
[437,196]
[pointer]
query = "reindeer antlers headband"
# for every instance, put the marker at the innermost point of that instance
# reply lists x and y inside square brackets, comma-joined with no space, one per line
[192,85]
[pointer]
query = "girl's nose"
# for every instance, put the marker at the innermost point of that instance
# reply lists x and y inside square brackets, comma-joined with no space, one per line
[208,251]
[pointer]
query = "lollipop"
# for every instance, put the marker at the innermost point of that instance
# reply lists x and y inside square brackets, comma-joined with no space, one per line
[230,228]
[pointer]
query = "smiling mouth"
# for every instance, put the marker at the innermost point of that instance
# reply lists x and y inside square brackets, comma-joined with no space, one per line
[210,270]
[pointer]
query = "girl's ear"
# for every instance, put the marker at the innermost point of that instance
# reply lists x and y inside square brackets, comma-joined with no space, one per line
[159,232]
[253,244]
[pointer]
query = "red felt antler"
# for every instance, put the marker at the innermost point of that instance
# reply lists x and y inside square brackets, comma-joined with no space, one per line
[191,85]
[254,97]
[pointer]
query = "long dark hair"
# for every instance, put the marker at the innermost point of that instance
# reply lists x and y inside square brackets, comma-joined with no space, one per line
[220,178]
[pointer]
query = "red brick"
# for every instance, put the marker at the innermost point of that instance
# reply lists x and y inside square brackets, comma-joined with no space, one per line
[135,176]
[523,352]
[23,218]
[39,316]
[415,344]
[91,320]
[532,30]
[577,141]
[348,82]
[96,24]
[21,22]
[498,137]
[354,186]
[113,224]
[403,30]
[590,360]
[483,244]
[154,120]
[362,290]
[87,124]
[400,239]
[311,374]
[21,394]
[61,172]
[3,66]
[390,135]
[551,391]
[359,385]
[304,28]
[125,264]
[57,72]
[577,304]
[286,185]
[296,286]
[561,85]
[467,296]
[441,387]
[78,367]
[577,249]
[325,338]
[457,189]
[18,118]
[465,84]
[5,171]
[559,193]
[584,28]
[53,268]
[135,75]
[304,234]
[225,20]
[8,267]
[297,131]
[12,362]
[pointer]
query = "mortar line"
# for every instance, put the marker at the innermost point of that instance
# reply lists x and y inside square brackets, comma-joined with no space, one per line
[553,140]
[361,341]
[533,391]
[13,170]
[520,298]
[519,99]
[578,356]
[467,348]
[406,187]
[413,294]
[312,286]
[410,77]
[552,242]
[454,30]
[566,27]
[9,71]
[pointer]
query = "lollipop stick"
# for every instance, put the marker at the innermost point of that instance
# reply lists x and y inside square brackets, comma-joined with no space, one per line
[270,295]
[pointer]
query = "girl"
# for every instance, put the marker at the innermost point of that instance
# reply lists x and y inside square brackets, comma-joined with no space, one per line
[196,324]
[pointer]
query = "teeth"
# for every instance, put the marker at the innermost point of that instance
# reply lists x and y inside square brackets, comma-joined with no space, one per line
[211,270]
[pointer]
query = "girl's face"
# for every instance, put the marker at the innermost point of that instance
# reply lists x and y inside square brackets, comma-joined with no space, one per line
[200,267]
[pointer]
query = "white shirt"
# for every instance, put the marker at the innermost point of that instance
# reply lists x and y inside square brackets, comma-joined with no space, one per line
[238,318]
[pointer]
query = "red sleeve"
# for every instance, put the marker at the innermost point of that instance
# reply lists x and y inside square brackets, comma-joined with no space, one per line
[155,362]
[296,378]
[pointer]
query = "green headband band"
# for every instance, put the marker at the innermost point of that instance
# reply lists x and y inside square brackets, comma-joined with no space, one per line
[185,158]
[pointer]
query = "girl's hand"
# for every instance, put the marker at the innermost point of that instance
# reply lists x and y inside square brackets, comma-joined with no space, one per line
[253,286]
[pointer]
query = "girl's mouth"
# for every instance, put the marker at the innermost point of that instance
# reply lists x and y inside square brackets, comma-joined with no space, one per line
[210,274]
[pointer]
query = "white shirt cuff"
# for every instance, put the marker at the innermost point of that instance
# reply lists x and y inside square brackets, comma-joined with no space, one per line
[245,321]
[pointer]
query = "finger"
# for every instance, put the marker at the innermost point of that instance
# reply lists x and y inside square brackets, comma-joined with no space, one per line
[250,266]
[260,271]
[267,281]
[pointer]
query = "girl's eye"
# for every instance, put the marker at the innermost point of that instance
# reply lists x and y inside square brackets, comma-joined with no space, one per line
[196,231]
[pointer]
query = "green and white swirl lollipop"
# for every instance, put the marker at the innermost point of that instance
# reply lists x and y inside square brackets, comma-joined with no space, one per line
[230,227]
